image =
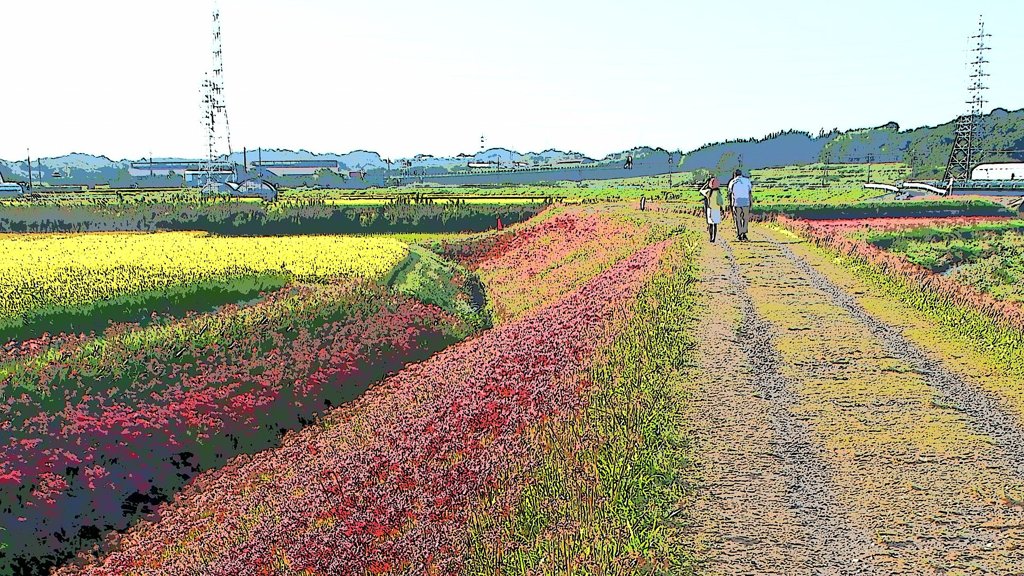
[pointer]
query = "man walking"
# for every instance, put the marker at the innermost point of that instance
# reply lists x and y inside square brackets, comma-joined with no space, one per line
[741,197]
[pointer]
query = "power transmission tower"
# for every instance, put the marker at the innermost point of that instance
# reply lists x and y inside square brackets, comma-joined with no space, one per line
[215,111]
[968,131]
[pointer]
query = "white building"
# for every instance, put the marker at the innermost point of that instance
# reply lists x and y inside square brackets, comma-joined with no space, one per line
[999,171]
[9,189]
[251,188]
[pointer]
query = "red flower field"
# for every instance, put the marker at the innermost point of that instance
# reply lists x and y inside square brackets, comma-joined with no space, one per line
[385,483]
[531,265]
[90,438]
[843,226]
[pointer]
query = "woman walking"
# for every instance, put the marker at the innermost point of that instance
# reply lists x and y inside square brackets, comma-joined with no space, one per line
[711,191]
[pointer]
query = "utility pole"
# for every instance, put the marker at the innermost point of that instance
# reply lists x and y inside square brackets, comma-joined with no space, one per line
[871,158]
[28,163]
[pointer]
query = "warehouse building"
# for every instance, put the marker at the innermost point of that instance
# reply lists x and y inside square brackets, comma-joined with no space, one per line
[192,172]
[295,167]
[157,168]
[999,171]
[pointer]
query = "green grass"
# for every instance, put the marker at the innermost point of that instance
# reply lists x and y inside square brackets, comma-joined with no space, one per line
[933,233]
[903,208]
[831,195]
[139,307]
[988,256]
[601,498]
[295,216]
[823,184]
[427,238]
[429,279]
[1000,342]
[842,184]
[379,196]
[839,175]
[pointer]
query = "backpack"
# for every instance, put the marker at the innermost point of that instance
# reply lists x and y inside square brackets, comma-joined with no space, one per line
[718,203]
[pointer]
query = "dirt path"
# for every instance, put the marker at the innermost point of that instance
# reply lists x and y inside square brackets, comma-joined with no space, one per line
[766,506]
[987,412]
[831,443]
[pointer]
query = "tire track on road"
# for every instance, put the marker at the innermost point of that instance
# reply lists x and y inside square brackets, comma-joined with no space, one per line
[929,483]
[768,492]
[987,412]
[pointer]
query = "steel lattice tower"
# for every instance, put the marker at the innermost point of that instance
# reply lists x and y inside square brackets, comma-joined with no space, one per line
[968,131]
[215,111]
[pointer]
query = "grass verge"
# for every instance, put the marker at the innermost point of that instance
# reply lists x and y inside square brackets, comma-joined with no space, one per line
[432,280]
[1000,341]
[602,496]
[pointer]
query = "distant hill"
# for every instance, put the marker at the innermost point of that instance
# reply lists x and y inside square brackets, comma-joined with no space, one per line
[925,149]
[352,160]
[77,160]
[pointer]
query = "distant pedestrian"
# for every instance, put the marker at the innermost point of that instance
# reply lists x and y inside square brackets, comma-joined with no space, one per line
[741,197]
[711,192]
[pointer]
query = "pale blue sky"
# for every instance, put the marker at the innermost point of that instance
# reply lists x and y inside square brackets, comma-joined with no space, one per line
[121,78]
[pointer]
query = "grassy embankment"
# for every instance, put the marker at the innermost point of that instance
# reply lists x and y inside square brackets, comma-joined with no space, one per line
[987,256]
[601,497]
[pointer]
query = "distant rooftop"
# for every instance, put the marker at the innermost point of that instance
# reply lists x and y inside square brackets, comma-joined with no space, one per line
[177,165]
[169,165]
[296,163]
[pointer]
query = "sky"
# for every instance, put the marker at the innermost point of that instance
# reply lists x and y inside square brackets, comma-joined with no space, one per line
[401,77]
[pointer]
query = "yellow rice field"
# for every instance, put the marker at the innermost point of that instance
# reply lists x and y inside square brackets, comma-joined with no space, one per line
[57,270]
